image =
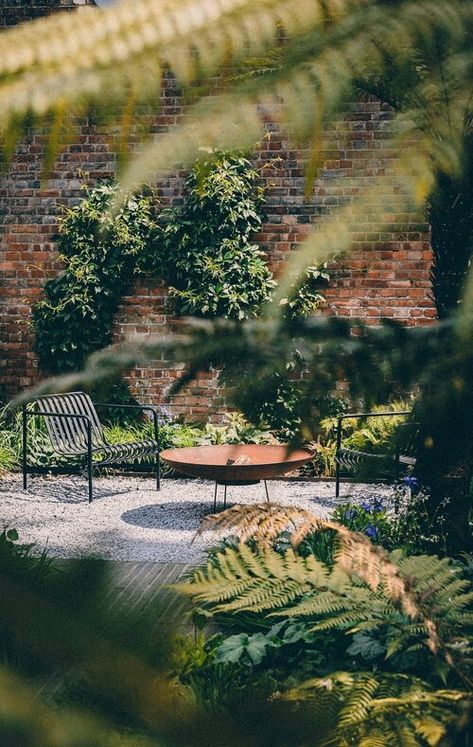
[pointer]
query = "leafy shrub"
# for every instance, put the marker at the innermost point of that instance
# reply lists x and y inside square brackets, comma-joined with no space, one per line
[401,522]
[283,412]
[209,260]
[101,253]
[373,435]
[306,297]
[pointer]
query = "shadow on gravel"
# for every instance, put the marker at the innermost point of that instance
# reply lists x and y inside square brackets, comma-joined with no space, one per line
[57,492]
[183,515]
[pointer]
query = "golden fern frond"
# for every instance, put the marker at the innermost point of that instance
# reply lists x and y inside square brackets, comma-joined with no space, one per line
[355,553]
[429,729]
[356,557]
[358,702]
[262,522]
[256,581]
[322,604]
[410,715]
[373,740]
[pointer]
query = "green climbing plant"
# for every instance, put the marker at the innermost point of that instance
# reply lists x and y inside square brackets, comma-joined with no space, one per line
[204,250]
[210,259]
[101,253]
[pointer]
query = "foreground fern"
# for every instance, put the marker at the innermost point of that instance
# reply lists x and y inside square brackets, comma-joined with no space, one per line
[376,710]
[417,606]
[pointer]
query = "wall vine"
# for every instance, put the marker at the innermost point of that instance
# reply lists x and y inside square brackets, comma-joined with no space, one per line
[204,250]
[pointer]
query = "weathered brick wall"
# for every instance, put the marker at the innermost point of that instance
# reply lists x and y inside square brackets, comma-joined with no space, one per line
[386,275]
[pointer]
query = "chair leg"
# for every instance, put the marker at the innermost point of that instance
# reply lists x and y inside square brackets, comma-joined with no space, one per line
[24,460]
[90,478]
[89,459]
[215,496]
[158,472]
[225,497]
[337,481]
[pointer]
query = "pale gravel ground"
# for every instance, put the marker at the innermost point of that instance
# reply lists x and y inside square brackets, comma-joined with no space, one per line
[129,520]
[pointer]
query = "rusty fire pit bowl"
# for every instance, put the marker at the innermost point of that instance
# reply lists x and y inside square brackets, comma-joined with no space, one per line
[254,462]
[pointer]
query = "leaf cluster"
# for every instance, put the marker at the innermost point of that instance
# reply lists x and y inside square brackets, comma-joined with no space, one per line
[209,260]
[101,253]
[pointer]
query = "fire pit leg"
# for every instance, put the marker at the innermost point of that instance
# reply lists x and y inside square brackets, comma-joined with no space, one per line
[266,488]
[225,497]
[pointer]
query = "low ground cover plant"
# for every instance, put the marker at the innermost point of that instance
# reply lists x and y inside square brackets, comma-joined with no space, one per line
[373,435]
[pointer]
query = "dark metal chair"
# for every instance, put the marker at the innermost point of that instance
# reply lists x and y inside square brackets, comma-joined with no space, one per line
[389,465]
[75,432]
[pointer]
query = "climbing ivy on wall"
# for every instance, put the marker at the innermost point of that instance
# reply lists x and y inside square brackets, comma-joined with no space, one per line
[210,260]
[204,250]
[101,252]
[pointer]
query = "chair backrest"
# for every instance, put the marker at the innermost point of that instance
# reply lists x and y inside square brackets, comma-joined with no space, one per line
[69,435]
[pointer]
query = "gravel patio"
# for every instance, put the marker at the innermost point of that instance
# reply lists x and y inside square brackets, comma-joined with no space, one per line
[129,520]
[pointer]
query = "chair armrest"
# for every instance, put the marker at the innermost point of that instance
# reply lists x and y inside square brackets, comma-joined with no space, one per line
[372,414]
[141,408]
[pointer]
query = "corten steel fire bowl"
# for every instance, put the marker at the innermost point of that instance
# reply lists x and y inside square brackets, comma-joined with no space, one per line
[255,462]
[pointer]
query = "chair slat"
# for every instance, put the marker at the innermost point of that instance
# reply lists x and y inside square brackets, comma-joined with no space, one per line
[69,435]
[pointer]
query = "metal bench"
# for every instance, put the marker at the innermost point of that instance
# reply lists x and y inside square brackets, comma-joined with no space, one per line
[353,459]
[75,432]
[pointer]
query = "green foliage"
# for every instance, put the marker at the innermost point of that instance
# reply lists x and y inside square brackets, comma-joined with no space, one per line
[209,260]
[451,218]
[401,522]
[343,651]
[307,297]
[9,456]
[235,430]
[101,253]
[19,561]
[374,435]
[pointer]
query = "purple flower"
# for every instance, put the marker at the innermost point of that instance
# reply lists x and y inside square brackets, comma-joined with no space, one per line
[366,506]
[378,505]
[412,483]
[350,514]
[371,531]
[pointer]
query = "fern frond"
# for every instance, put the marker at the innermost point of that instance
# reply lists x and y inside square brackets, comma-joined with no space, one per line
[263,522]
[420,587]
[380,708]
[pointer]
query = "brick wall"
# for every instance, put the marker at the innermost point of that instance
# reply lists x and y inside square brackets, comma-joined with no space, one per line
[387,274]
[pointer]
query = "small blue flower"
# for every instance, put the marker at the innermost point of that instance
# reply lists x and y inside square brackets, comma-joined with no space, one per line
[378,505]
[371,531]
[350,514]
[366,506]
[412,483]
